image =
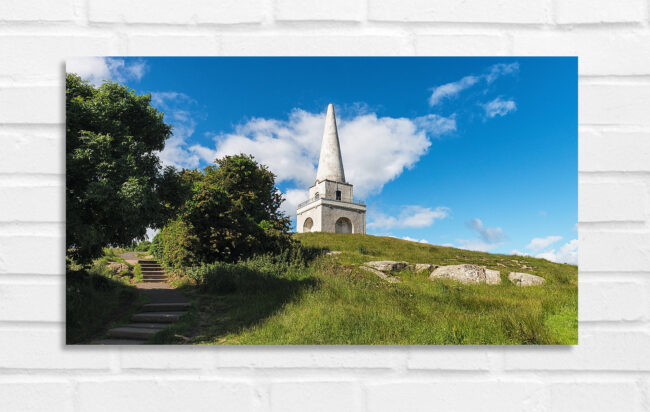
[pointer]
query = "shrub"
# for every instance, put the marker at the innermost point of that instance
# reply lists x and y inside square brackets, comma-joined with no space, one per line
[252,275]
[137,274]
[175,244]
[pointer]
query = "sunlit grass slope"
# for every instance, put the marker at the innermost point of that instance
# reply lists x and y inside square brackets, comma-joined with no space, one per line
[332,301]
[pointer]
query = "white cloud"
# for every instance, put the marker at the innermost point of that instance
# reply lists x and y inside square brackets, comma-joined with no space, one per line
[519,253]
[410,239]
[291,148]
[292,198]
[568,253]
[179,112]
[501,69]
[409,217]
[499,107]
[487,234]
[452,89]
[540,243]
[98,69]
[489,237]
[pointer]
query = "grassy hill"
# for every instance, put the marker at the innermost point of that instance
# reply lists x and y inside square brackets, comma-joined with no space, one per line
[332,301]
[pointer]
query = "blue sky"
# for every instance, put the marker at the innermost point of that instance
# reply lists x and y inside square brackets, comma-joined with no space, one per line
[478,153]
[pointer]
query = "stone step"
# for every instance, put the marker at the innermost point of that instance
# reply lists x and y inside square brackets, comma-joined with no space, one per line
[154,276]
[165,307]
[151,268]
[153,272]
[154,280]
[126,332]
[157,317]
[119,342]
[144,325]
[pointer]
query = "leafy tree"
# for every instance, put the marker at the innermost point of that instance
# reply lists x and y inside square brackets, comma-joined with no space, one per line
[112,169]
[233,213]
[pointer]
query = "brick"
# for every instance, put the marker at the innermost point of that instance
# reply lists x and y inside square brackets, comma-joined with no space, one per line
[452,395]
[611,301]
[614,251]
[472,11]
[460,45]
[45,104]
[22,348]
[612,201]
[173,12]
[167,357]
[33,302]
[41,58]
[599,52]
[599,11]
[598,350]
[26,204]
[339,10]
[35,150]
[313,45]
[17,255]
[305,357]
[315,396]
[36,10]
[449,358]
[36,396]
[198,394]
[176,45]
[614,103]
[607,151]
[594,396]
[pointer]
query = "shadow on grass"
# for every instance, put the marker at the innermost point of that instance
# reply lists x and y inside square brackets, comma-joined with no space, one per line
[92,303]
[232,297]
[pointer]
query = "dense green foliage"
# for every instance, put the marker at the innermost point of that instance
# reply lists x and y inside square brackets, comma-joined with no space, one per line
[112,170]
[232,213]
[331,301]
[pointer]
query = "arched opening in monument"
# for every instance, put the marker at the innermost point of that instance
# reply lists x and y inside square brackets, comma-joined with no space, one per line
[343,225]
[306,227]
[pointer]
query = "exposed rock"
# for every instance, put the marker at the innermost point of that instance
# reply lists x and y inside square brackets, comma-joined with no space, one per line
[387,278]
[525,279]
[467,274]
[334,252]
[492,277]
[424,266]
[387,265]
[462,273]
[118,267]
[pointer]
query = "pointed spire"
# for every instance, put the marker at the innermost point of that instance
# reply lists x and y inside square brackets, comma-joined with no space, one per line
[330,165]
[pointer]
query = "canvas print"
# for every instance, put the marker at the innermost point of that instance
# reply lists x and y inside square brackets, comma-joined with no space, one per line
[321,200]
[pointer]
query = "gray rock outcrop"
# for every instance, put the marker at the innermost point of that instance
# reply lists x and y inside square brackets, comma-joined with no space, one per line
[492,277]
[467,274]
[525,279]
[424,266]
[118,267]
[386,265]
[387,278]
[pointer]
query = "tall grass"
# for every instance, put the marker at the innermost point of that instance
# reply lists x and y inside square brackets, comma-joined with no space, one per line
[329,300]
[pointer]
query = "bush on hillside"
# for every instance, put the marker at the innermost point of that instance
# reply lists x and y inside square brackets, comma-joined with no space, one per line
[175,244]
[232,214]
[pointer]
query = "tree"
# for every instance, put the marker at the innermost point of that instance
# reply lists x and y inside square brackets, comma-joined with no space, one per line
[233,213]
[112,169]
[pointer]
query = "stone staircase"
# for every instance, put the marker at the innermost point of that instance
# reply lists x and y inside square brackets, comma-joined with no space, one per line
[166,307]
[152,271]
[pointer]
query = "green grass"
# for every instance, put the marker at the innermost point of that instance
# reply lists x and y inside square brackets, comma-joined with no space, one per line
[332,301]
[93,302]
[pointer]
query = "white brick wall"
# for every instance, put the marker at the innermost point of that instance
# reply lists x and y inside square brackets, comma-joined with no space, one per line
[607,371]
